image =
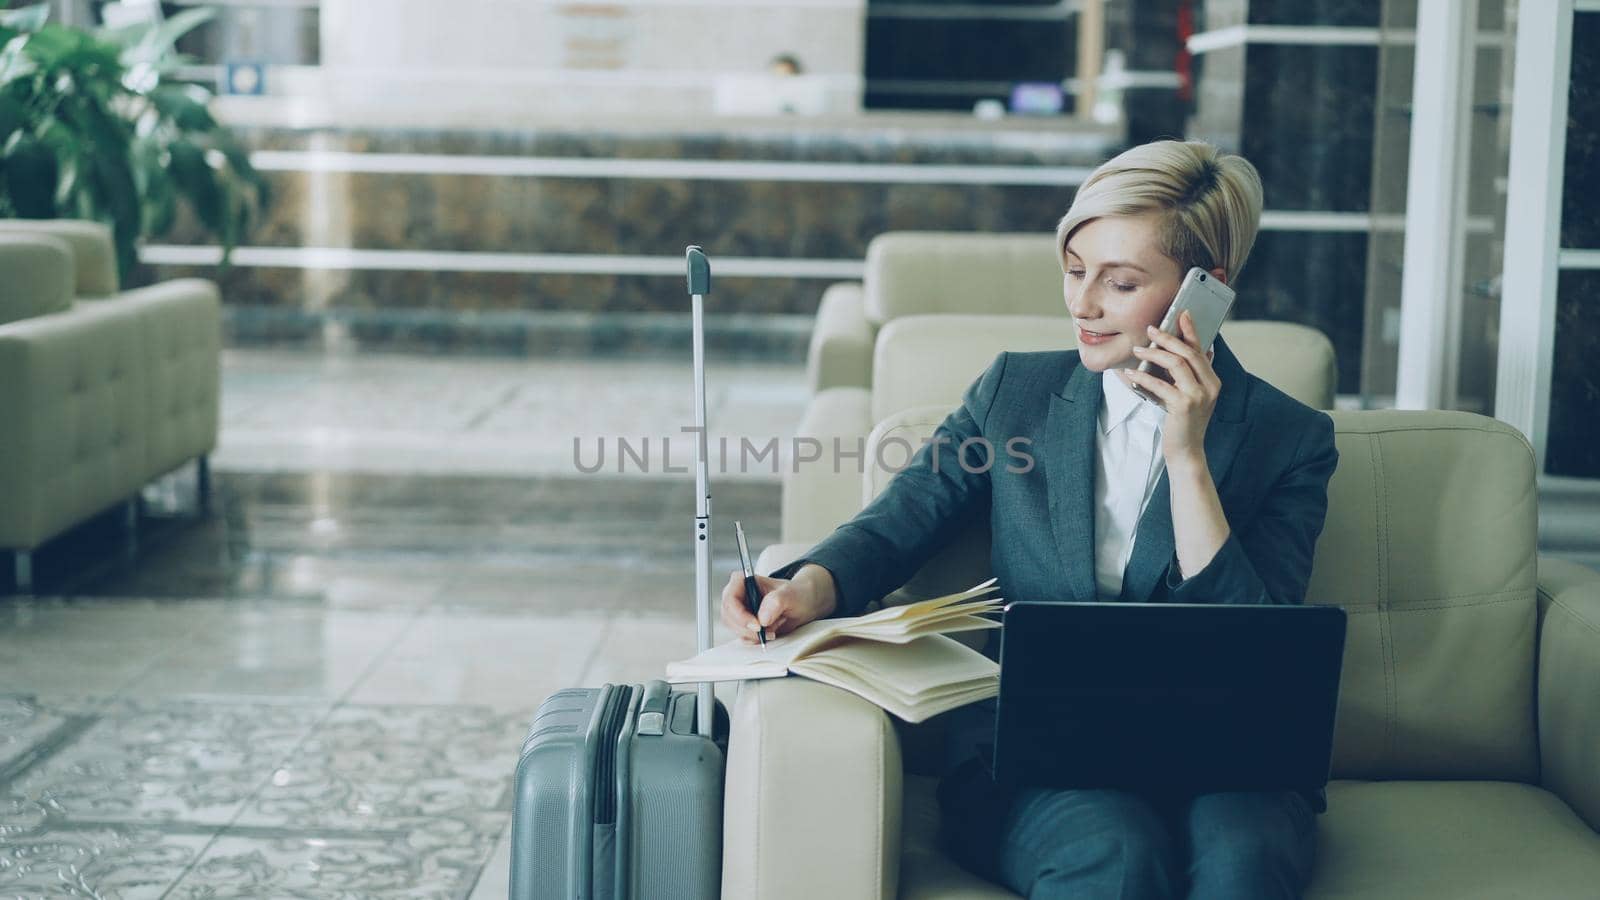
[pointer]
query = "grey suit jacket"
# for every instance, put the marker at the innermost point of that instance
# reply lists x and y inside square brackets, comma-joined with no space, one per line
[1270,457]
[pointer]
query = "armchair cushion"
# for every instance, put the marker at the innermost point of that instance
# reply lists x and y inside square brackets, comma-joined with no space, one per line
[1296,359]
[1451,840]
[915,272]
[965,560]
[931,360]
[1430,545]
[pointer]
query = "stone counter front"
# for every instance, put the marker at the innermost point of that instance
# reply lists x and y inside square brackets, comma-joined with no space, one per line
[463,231]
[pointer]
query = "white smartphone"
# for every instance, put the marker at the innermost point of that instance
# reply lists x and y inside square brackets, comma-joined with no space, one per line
[1208,301]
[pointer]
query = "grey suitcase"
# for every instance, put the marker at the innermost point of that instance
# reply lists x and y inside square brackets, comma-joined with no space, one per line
[619,789]
[617,796]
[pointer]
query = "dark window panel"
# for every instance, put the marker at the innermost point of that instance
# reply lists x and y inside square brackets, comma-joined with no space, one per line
[1580,218]
[1337,13]
[1573,444]
[1308,125]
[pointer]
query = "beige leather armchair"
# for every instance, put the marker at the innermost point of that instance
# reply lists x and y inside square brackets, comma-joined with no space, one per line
[1467,749]
[101,390]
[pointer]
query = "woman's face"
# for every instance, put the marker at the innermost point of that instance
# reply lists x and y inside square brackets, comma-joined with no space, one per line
[1117,281]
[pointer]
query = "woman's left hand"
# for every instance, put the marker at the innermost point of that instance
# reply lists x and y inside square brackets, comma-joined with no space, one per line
[1191,395]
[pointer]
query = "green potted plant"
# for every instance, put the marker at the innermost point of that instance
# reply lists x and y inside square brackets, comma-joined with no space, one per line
[96,125]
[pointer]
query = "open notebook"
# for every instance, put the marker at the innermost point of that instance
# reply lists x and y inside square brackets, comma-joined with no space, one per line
[898,658]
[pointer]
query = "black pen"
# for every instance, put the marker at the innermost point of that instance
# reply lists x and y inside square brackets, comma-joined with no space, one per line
[752,592]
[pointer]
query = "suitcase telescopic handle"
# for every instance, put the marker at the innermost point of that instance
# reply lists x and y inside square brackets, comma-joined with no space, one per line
[699,271]
[699,286]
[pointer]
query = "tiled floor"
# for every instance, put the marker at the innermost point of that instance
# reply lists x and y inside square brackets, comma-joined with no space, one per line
[319,689]
[455,415]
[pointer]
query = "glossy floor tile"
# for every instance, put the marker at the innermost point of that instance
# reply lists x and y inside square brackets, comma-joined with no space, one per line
[455,415]
[319,687]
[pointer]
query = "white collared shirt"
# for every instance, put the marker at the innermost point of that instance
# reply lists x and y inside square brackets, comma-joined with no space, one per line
[1127,468]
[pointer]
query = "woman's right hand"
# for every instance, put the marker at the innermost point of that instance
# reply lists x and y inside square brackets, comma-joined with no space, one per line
[785,605]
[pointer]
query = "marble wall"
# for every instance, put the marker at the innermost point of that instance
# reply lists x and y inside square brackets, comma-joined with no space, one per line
[628,215]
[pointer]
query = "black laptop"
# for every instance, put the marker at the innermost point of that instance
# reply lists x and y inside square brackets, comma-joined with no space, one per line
[1168,697]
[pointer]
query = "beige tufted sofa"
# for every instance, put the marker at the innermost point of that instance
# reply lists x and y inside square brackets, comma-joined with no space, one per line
[934,310]
[1467,749]
[101,390]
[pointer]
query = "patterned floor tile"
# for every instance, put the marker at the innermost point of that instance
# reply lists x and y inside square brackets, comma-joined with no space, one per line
[438,861]
[191,761]
[24,724]
[105,863]
[385,767]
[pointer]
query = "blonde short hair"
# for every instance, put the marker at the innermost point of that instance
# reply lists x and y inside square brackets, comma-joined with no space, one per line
[1209,203]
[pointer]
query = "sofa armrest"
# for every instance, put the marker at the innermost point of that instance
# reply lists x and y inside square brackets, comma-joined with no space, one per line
[840,354]
[823,493]
[813,795]
[1569,683]
[180,324]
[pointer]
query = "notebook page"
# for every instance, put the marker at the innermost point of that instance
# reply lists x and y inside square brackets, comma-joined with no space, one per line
[737,660]
[922,666]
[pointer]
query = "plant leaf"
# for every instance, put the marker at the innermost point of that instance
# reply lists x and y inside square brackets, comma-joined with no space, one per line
[13,118]
[120,198]
[31,171]
[184,105]
[59,46]
[197,182]
[158,40]
[26,18]
[15,62]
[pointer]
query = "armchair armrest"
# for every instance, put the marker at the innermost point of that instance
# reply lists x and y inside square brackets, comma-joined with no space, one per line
[813,795]
[821,494]
[1569,682]
[776,556]
[840,354]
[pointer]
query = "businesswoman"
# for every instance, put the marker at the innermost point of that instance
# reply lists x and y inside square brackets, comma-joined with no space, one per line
[1217,495]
